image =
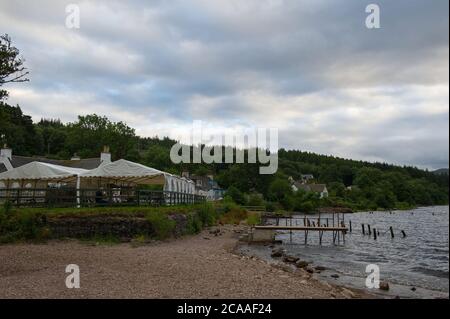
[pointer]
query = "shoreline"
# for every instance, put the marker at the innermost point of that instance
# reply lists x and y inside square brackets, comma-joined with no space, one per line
[345,274]
[338,279]
[205,265]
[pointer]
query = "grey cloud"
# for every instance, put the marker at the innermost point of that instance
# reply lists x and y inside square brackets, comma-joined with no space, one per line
[156,57]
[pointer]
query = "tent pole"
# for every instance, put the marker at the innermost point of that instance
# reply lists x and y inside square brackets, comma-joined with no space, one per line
[78,192]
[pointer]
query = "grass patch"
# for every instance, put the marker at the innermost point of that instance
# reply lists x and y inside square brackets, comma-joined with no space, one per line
[207,214]
[194,224]
[30,224]
[113,211]
[233,216]
[161,223]
[253,218]
[24,226]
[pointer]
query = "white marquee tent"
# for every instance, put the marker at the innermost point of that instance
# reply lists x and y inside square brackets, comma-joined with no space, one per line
[38,172]
[123,171]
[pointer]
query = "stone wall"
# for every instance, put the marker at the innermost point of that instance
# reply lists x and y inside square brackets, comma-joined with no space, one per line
[121,226]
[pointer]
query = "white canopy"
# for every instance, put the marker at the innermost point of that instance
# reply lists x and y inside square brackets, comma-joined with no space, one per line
[119,171]
[42,171]
[130,172]
[126,171]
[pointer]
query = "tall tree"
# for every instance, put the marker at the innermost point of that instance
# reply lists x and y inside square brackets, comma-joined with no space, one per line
[11,65]
[88,136]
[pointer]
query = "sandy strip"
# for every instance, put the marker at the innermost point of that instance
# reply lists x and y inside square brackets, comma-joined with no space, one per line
[201,266]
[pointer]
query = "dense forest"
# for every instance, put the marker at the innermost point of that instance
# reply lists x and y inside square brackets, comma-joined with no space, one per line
[372,185]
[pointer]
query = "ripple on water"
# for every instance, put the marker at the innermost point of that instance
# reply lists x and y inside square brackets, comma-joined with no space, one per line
[421,258]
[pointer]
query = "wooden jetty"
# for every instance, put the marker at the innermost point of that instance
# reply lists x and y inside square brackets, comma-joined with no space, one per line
[336,225]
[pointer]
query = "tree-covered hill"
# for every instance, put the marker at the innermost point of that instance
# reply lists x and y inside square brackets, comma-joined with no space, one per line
[358,184]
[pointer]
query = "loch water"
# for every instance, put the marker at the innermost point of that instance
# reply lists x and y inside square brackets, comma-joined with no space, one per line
[415,266]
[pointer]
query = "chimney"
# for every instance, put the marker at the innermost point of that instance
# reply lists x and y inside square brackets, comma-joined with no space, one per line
[75,157]
[105,156]
[6,152]
[6,157]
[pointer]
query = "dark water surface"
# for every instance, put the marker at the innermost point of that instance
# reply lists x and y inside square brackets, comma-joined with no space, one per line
[420,260]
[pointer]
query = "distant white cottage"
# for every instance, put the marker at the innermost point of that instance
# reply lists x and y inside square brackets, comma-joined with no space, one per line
[316,188]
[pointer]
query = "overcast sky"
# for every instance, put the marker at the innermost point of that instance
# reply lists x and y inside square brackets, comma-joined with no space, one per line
[309,68]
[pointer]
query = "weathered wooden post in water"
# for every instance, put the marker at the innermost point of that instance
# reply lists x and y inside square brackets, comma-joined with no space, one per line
[350,225]
[368,227]
[363,229]
[318,221]
[392,232]
[290,231]
[375,234]
[403,233]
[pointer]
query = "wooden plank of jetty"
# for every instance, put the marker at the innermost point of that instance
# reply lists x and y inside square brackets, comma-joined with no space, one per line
[313,228]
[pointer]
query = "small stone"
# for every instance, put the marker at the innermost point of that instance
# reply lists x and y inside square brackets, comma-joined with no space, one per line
[348,293]
[309,270]
[384,285]
[320,268]
[301,264]
[277,252]
[413,289]
[215,231]
[290,259]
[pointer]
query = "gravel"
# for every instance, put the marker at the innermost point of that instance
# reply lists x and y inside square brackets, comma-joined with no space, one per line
[190,267]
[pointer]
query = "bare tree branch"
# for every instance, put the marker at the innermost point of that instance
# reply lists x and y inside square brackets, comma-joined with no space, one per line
[11,65]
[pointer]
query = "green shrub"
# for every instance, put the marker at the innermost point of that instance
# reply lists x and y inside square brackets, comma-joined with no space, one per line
[234,216]
[207,214]
[255,200]
[253,219]
[194,224]
[236,195]
[7,207]
[281,212]
[44,233]
[272,206]
[161,223]
[15,226]
[228,205]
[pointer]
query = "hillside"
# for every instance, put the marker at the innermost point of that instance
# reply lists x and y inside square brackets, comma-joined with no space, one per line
[357,184]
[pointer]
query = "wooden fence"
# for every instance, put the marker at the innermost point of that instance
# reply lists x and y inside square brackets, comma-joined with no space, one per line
[83,197]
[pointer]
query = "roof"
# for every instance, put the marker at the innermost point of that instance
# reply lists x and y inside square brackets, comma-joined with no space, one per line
[318,188]
[88,163]
[126,171]
[42,171]
[304,187]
